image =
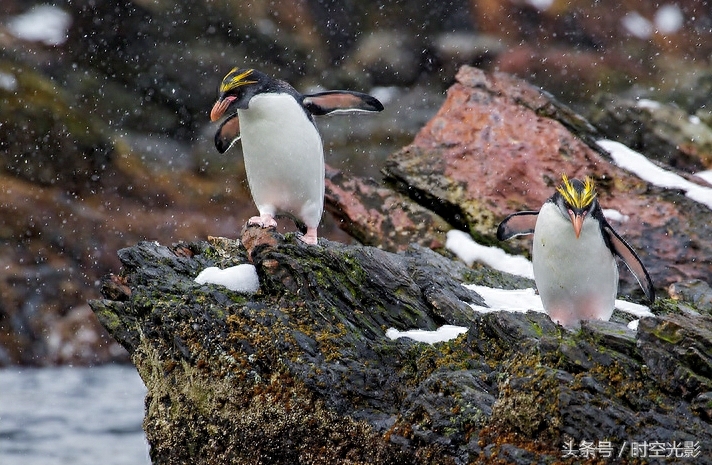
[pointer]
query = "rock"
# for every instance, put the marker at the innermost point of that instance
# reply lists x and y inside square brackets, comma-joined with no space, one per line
[693,93]
[571,77]
[392,57]
[381,217]
[302,371]
[677,352]
[130,104]
[696,291]
[61,237]
[454,49]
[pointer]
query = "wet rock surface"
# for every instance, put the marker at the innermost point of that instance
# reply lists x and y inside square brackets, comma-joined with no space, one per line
[302,371]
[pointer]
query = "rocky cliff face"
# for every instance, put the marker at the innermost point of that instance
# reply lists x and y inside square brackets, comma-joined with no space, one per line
[302,370]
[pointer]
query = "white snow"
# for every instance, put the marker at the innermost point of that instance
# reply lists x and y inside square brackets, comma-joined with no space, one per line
[648,104]
[461,244]
[241,278]
[8,82]
[636,310]
[541,5]
[442,334]
[614,215]
[706,175]
[42,23]
[518,300]
[523,300]
[635,162]
[669,19]
[637,25]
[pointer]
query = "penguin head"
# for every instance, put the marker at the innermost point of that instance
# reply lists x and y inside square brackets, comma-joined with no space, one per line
[236,90]
[576,199]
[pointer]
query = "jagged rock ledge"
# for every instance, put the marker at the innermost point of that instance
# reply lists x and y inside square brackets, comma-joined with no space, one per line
[302,372]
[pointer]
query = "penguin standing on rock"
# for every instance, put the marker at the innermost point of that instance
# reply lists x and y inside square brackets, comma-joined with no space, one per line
[574,254]
[283,151]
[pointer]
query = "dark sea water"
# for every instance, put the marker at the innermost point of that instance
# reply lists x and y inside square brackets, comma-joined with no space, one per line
[53,416]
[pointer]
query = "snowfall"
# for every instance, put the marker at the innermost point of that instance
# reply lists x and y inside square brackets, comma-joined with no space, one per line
[49,24]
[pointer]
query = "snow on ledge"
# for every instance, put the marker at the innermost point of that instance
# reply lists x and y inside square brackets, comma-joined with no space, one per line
[442,334]
[517,300]
[631,308]
[524,300]
[638,164]
[614,215]
[461,244]
[706,175]
[241,278]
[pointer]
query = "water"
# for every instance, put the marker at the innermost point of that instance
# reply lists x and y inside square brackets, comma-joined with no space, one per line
[58,416]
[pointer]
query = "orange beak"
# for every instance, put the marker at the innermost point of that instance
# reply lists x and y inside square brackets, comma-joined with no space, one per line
[577,222]
[220,107]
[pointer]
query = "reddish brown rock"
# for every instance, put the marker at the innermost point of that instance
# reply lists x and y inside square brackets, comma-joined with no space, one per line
[499,145]
[381,217]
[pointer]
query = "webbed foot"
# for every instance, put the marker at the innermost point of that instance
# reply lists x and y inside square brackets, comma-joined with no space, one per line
[264,221]
[309,237]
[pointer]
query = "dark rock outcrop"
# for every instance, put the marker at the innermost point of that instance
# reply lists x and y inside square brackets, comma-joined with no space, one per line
[302,372]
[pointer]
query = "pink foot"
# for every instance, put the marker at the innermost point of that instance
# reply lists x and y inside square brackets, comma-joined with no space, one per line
[309,237]
[264,221]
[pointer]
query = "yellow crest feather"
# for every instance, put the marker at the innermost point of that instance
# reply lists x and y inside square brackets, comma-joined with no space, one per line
[575,198]
[232,80]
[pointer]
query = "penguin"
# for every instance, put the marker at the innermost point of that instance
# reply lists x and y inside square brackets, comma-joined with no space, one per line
[573,254]
[282,148]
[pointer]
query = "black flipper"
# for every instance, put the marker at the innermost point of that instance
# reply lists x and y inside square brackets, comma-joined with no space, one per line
[517,224]
[228,133]
[627,254]
[323,103]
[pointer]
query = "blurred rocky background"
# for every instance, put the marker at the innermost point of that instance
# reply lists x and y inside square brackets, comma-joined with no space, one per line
[105,138]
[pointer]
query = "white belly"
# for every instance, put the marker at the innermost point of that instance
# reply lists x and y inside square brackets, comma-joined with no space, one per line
[577,279]
[284,158]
